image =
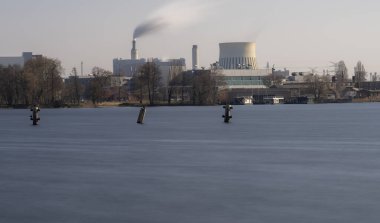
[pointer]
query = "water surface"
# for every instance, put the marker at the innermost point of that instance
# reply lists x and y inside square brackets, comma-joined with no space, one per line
[286,163]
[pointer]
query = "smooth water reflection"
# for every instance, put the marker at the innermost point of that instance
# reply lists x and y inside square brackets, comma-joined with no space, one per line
[298,163]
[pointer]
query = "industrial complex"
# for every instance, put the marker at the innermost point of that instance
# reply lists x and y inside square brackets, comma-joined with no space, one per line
[237,64]
[129,67]
[243,79]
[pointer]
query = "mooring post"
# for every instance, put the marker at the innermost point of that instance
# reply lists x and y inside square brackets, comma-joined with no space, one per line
[140,119]
[227,113]
[35,117]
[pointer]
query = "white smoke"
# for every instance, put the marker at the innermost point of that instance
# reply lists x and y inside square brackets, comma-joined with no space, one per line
[176,14]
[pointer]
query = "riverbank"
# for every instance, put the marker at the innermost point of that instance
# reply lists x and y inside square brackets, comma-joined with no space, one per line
[137,104]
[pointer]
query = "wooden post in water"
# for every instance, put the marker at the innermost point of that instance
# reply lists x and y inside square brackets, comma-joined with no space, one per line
[35,117]
[140,119]
[227,113]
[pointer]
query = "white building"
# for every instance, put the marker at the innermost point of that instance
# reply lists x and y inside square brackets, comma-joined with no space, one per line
[128,68]
[19,61]
[169,68]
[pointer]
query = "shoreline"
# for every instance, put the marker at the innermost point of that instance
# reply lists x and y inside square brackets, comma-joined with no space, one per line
[120,104]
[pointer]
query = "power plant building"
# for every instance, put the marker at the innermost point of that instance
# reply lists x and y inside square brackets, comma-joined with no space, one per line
[130,67]
[127,67]
[238,65]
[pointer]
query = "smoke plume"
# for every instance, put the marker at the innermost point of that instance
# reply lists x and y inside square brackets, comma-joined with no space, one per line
[176,14]
[150,26]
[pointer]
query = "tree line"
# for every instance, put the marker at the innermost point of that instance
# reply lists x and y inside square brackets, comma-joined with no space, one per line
[40,82]
[197,87]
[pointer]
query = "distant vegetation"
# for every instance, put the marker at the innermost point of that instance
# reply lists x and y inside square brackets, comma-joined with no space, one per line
[40,82]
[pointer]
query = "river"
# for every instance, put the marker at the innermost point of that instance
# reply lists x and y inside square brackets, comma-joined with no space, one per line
[282,163]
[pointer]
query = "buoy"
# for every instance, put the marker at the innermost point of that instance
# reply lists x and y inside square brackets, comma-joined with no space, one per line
[227,113]
[35,117]
[140,119]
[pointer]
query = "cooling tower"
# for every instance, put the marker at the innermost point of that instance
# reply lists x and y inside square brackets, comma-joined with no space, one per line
[238,55]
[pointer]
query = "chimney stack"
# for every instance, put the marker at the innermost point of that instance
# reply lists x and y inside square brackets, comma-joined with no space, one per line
[134,52]
[195,57]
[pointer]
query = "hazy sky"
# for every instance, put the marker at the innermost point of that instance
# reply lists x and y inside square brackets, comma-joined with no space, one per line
[293,34]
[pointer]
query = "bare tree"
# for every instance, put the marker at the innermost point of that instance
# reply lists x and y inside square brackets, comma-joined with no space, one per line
[137,87]
[318,85]
[14,86]
[360,74]
[73,88]
[98,84]
[147,82]
[181,86]
[341,73]
[341,78]
[44,77]
[175,69]
[205,88]
[7,83]
[374,77]
[199,87]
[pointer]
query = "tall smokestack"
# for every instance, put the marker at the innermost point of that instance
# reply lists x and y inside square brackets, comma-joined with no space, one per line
[134,52]
[81,68]
[195,57]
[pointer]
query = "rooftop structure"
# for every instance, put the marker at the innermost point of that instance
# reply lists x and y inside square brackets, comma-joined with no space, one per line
[18,61]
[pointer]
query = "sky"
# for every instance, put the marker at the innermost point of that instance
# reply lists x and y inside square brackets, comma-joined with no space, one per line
[293,34]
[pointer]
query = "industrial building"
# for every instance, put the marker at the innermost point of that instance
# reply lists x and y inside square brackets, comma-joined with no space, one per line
[129,67]
[238,65]
[18,61]
[245,79]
